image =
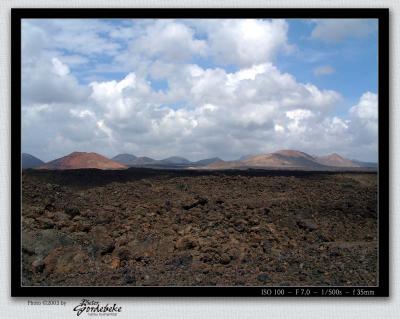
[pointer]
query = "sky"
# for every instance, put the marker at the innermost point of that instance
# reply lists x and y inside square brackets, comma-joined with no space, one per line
[199,88]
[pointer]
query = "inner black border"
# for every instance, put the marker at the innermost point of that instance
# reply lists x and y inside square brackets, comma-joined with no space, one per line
[17,290]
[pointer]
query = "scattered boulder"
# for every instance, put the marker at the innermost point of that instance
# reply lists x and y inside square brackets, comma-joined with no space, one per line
[62,216]
[38,265]
[307,224]
[115,263]
[186,242]
[225,259]
[168,205]
[101,242]
[28,243]
[103,218]
[240,225]
[72,211]
[83,226]
[324,238]
[64,260]
[129,279]
[45,223]
[41,243]
[180,262]
[109,208]
[122,252]
[49,207]
[335,252]
[264,278]
[200,201]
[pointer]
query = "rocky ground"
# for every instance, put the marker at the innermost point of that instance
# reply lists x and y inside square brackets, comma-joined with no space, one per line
[145,227]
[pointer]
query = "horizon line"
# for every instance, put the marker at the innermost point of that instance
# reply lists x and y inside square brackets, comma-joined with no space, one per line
[204,158]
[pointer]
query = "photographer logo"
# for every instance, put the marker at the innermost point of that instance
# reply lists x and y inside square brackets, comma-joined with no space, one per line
[95,308]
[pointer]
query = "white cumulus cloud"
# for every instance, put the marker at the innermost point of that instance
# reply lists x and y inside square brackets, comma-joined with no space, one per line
[59,68]
[246,42]
[203,109]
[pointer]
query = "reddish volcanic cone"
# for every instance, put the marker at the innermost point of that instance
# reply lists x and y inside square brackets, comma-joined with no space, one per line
[336,160]
[283,159]
[79,160]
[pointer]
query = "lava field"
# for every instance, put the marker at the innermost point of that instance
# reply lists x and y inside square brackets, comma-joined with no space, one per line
[144,227]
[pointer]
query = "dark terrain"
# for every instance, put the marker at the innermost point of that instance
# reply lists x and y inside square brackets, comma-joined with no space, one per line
[141,227]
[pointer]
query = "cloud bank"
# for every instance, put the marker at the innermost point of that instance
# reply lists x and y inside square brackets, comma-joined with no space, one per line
[194,88]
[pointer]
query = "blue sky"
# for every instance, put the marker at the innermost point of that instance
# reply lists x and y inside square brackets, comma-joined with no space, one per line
[199,88]
[349,57]
[354,61]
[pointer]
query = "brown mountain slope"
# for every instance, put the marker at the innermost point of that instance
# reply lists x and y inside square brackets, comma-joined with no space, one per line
[79,160]
[223,165]
[336,160]
[283,159]
[288,159]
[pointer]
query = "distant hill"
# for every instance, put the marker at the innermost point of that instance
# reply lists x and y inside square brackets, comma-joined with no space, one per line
[283,159]
[291,159]
[30,161]
[132,160]
[366,164]
[79,160]
[225,165]
[207,161]
[144,160]
[175,160]
[169,162]
[244,157]
[126,159]
[336,160]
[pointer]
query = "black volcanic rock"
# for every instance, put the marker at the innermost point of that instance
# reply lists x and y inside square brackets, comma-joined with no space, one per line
[30,161]
[126,159]
[307,224]
[192,227]
[264,278]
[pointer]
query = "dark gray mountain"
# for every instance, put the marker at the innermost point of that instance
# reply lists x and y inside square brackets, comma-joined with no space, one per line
[175,160]
[127,159]
[207,161]
[143,161]
[132,160]
[30,161]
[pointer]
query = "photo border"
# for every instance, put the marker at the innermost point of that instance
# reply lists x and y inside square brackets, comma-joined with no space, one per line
[17,290]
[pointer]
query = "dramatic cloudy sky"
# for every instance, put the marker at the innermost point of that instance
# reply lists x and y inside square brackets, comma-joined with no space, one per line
[199,88]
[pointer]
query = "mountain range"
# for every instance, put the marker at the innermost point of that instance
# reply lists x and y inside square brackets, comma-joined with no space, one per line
[132,160]
[283,159]
[291,159]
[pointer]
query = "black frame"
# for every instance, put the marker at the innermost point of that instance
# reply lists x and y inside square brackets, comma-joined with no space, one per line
[17,290]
